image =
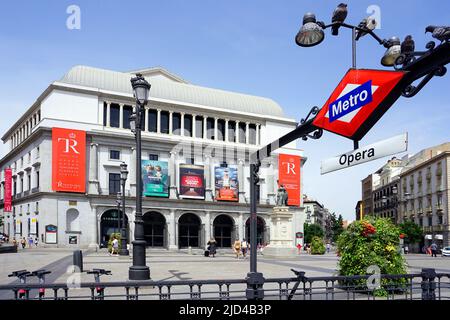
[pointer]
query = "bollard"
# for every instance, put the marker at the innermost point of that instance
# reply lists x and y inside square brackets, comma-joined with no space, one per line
[189,250]
[78,259]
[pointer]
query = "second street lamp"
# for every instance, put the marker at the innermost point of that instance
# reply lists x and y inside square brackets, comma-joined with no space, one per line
[139,270]
[123,234]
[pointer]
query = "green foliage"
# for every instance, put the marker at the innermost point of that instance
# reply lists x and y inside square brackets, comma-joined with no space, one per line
[412,231]
[317,246]
[371,242]
[312,230]
[118,236]
[1,221]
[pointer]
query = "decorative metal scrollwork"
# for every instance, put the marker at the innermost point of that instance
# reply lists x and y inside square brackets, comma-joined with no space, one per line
[313,112]
[315,135]
[411,90]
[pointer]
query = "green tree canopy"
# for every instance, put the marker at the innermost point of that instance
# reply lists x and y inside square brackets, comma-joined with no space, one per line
[412,231]
[312,230]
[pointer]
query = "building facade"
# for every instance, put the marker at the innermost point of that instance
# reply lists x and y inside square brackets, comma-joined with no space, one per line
[424,193]
[185,126]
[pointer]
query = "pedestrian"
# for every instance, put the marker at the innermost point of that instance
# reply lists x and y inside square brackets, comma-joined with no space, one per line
[299,248]
[406,249]
[212,247]
[429,250]
[115,246]
[23,242]
[244,248]
[30,242]
[328,247]
[237,248]
[14,242]
[433,248]
[36,241]
[308,249]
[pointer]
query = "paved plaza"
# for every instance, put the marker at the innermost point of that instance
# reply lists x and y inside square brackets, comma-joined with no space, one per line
[182,265]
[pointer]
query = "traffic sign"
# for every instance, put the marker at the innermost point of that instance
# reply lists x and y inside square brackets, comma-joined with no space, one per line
[371,152]
[360,99]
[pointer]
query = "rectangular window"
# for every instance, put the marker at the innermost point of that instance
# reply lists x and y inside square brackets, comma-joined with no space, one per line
[221,129]
[127,111]
[21,185]
[105,113]
[37,152]
[231,131]
[114,183]
[439,219]
[176,123]
[164,122]
[210,128]
[114,118]
[37,207]
[241,132]
[29,181]
[430,221]
[29,157]
[153,157]
[114,154]
[152,120]
[252,133]
[188,125]
[199,126]
[37,179]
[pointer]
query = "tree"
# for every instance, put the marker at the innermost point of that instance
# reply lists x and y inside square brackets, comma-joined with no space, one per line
[338,227]
[312,230]
[317,246]
[413,232]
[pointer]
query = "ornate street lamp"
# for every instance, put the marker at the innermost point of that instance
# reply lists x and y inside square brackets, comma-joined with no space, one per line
[311,33]
[123,178]
[139,270]
[118,202]
[392,53]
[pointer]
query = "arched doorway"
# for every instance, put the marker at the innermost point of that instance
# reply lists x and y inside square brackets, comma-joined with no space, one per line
[223,231]
[260,230]
[154,229]
[109,224]
[189,226]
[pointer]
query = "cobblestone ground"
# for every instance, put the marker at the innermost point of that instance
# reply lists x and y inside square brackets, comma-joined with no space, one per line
[166,265]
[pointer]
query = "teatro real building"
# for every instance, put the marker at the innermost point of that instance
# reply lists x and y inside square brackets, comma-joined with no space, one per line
[61,175]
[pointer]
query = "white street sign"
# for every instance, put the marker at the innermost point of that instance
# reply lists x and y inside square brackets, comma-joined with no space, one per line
[371,152]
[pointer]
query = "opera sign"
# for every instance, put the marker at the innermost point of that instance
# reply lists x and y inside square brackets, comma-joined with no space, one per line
[371,152]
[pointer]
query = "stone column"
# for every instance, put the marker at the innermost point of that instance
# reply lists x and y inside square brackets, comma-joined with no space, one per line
[172,228]
[208,188]
[241,178]
[93,230]
[170,122]
[132,174]
[208,233]
[172,174]
[236,133]
[258,142]
[146,120]
[205,127]
[108,114]
[158,122]
[121,116]
[241,226]
[247,133]
[216,132]
[281,237]
[93,169]
[270,178]
[182,124]
[226,130]
[194,129]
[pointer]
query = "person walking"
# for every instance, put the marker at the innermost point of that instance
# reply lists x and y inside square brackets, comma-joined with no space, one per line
[328,247]
[30,242]
[212,247]
[299,248]
[115,246]
[433,248]
[237,248]
[23,242]
[36,241]
[244,248]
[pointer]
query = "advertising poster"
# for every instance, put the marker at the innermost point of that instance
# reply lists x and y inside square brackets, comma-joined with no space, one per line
[192,181]
[155,178]
[51,232]
[68,160]
[226,183]
[8,191]
[289,177]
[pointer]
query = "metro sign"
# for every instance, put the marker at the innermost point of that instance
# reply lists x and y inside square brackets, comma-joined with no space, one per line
[360,99]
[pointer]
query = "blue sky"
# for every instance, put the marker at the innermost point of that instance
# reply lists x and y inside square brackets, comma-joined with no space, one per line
[244,46]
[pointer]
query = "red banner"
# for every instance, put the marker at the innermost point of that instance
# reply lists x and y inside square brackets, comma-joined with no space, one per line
[289,177]
[69,160]
[8,191]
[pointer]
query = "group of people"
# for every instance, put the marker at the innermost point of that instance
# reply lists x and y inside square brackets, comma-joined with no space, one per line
[32,242]
[240,248]
[432,250]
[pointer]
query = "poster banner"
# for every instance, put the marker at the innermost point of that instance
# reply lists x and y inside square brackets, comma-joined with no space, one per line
[68,160]
[289,177]
[226,183]
[155,178]
[8,191]
[192,181]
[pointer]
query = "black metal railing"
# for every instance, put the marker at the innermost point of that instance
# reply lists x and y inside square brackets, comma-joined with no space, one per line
[427,285]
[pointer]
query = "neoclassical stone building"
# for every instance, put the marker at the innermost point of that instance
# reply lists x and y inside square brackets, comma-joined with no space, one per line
[185,125]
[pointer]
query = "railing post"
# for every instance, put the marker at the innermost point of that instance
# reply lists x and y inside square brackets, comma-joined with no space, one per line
[428,284]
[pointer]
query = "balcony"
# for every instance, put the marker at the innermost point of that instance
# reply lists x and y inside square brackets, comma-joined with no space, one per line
[429,209]
[420,211]
[427,229]
[34,190]
[438,228]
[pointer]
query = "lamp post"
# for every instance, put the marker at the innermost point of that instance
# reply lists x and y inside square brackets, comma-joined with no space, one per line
[118,202]
[139,270]
[123,178]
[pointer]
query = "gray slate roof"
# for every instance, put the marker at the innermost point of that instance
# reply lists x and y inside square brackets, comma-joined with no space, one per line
[171,90]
